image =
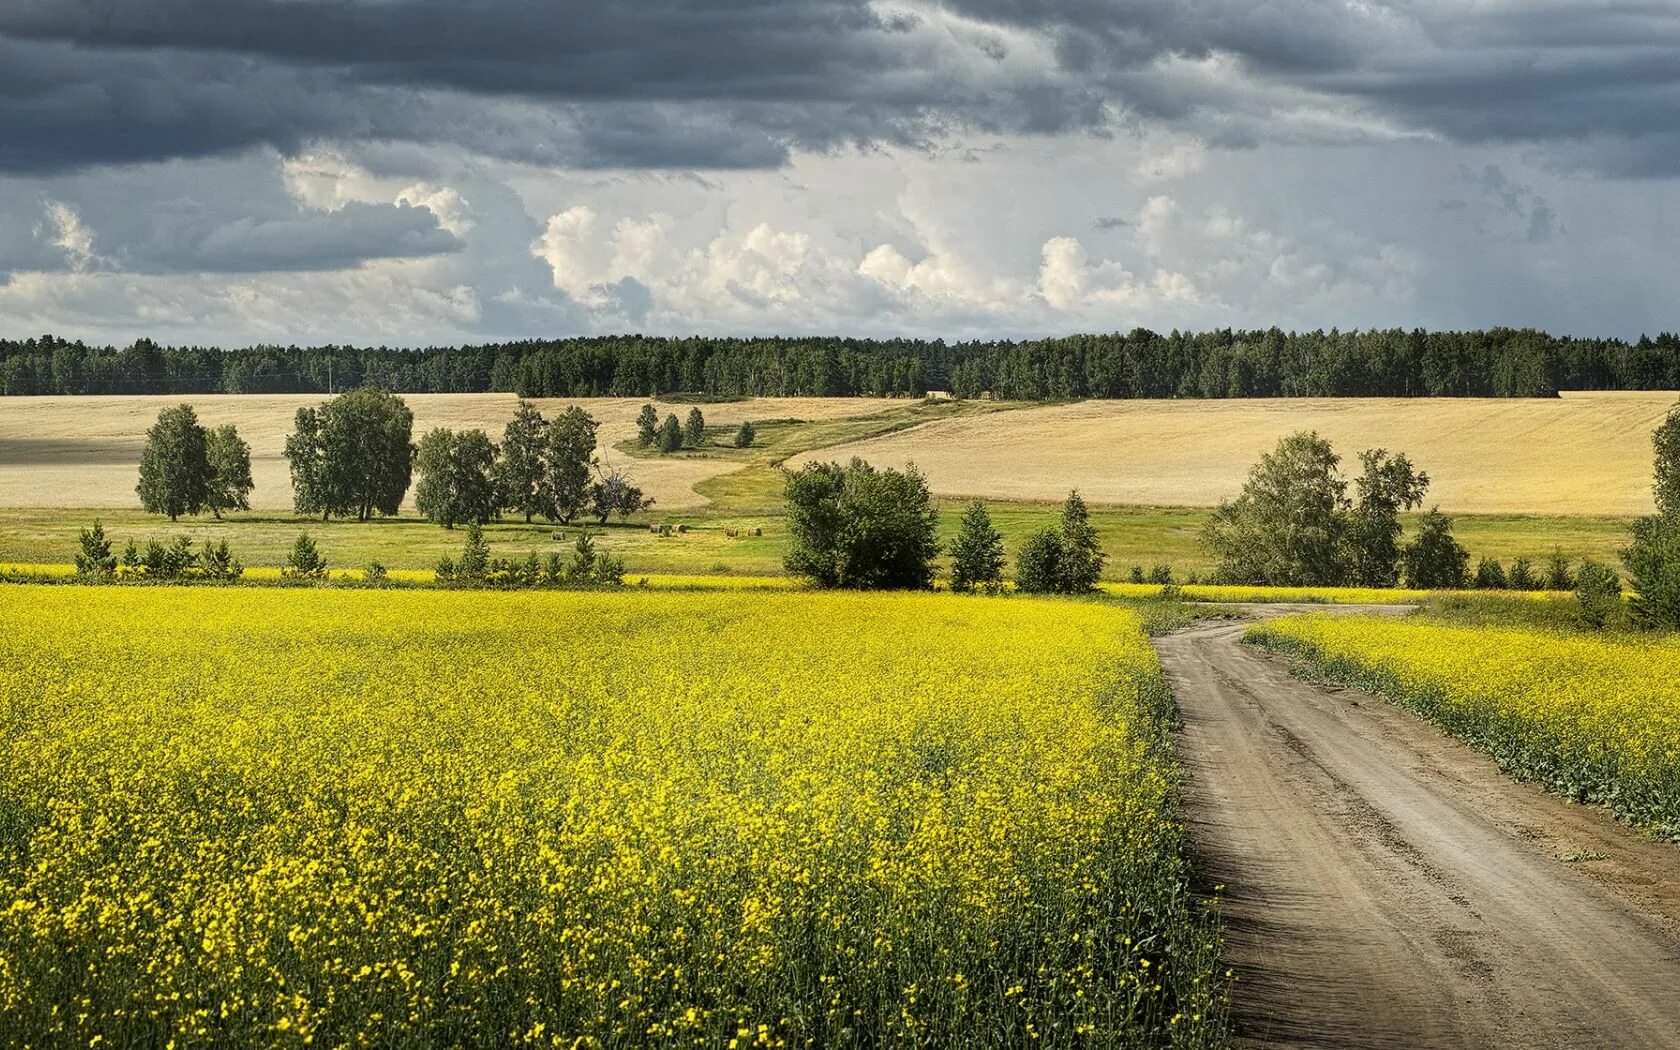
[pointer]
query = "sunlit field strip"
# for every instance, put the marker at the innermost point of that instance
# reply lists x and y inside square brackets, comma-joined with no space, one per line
[268,816]
[1594,717]
[1195,592]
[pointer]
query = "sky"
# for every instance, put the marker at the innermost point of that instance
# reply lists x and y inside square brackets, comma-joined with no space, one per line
[415,172]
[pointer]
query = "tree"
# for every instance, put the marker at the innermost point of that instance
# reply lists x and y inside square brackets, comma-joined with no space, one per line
[455,483]
[306,453]
[174,465]
[305,561]
[745,435]
[354,457]
[1653,567]
[1558,576]
[855,526]
[1288,526]
[614,494]
[1038,565]
[977,553]
[1435,561]
[1653,559]
[1666,444]
[1521,576]
[95,561]
[694,430]
[647,426]
[670,437]
[521,480]
[475,555]
[229,458]
[1490,575]
[1082,558]
[568,463]
[1387,487]
[1598,591]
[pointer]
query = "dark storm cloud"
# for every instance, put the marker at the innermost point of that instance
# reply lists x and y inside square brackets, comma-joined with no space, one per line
[740,83]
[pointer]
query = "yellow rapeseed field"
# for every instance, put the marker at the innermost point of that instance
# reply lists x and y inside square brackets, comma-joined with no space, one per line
[277,817]
[1594,717]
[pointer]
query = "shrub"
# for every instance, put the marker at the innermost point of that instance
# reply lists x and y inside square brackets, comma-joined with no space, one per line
[305,561]
[1435,561]
[1653,566]
[977,553]
[1522,576]
[218,563]
[94,560]
[1038,565]
[1161,574]
[375,572]
[1136,575]
[1558,576]
[1490,575]
[1598,591]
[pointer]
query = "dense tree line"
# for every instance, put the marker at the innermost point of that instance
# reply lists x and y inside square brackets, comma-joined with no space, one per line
[1499,362]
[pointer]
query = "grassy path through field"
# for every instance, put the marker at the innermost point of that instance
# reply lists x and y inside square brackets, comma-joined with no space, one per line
[1385,886]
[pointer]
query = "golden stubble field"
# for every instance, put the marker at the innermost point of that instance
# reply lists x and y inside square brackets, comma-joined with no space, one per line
[85,451]
[1582,454]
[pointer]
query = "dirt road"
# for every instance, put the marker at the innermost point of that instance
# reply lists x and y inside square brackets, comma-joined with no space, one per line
[1386,886]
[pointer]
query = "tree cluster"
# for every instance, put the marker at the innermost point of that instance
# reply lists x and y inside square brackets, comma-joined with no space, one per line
[853,525]
[1293,524]
[476,567]
[1499,362]
[353,456]
[187,469]
[672,435]
[1062,560]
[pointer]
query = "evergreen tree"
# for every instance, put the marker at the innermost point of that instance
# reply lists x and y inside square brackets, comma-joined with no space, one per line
[1435,561]
[94,560]
[229,459]
[694,430]
[1558,576]
[670,437]
[568,463]
[1081,556]
[521,476]
[745,434]
[647,426]
[1490,575]
[305,561]
[174,465]
[475,556]
[1598,592]
[1522,577]
[977,553]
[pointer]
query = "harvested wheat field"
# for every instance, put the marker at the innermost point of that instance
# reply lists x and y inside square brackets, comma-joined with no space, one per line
[84,451]
[1584,454]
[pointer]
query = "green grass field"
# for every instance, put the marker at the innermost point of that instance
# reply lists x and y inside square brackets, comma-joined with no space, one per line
[1130,535]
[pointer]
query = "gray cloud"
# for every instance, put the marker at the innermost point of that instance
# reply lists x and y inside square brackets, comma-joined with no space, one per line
[716,84]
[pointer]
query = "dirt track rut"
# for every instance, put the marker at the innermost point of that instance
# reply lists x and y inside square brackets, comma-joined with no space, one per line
[1385,886]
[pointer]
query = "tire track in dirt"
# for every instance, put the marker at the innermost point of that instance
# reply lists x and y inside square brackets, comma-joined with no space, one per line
[1386,886]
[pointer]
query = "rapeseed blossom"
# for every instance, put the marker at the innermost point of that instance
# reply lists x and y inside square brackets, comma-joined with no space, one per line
[279,817]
